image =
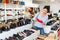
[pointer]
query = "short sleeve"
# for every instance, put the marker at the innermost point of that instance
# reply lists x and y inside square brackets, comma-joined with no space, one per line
[35,16]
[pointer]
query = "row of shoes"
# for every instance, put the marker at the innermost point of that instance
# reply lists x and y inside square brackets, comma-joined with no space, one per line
[51,22]
[20,35]
[13,24]
[55,27]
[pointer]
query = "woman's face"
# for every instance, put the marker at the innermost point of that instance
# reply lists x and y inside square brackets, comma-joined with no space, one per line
[44,11]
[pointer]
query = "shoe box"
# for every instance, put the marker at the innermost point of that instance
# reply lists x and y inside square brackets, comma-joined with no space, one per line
[51,36]
[41,37]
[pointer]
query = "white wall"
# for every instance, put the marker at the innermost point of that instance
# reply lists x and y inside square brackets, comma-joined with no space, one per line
[55,7]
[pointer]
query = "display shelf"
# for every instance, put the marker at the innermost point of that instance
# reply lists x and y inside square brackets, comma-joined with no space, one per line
[55,23]
[32,36]
[20,16]
[7,34]
[13,7]
[2,18]
[49,27]
[12,17]
[2,5]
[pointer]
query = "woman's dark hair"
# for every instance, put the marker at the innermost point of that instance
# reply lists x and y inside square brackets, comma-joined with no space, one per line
[45,8]
[59,10]
[48,8]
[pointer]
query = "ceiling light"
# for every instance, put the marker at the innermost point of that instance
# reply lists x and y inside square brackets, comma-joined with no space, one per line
[52,0]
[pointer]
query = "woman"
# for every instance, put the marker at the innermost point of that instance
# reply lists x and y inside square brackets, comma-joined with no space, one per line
[40,19]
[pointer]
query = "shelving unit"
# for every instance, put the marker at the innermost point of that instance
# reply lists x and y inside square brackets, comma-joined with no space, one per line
[17,7]
[2,13]
[19,29]
[11,6]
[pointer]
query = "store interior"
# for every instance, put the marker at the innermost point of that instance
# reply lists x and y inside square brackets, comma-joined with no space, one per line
[16,19]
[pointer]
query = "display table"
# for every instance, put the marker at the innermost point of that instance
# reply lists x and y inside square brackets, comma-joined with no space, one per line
[46,27]
[33,36]
[7,34]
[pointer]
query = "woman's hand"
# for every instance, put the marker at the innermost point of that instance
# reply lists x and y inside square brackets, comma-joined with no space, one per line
[43,23]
